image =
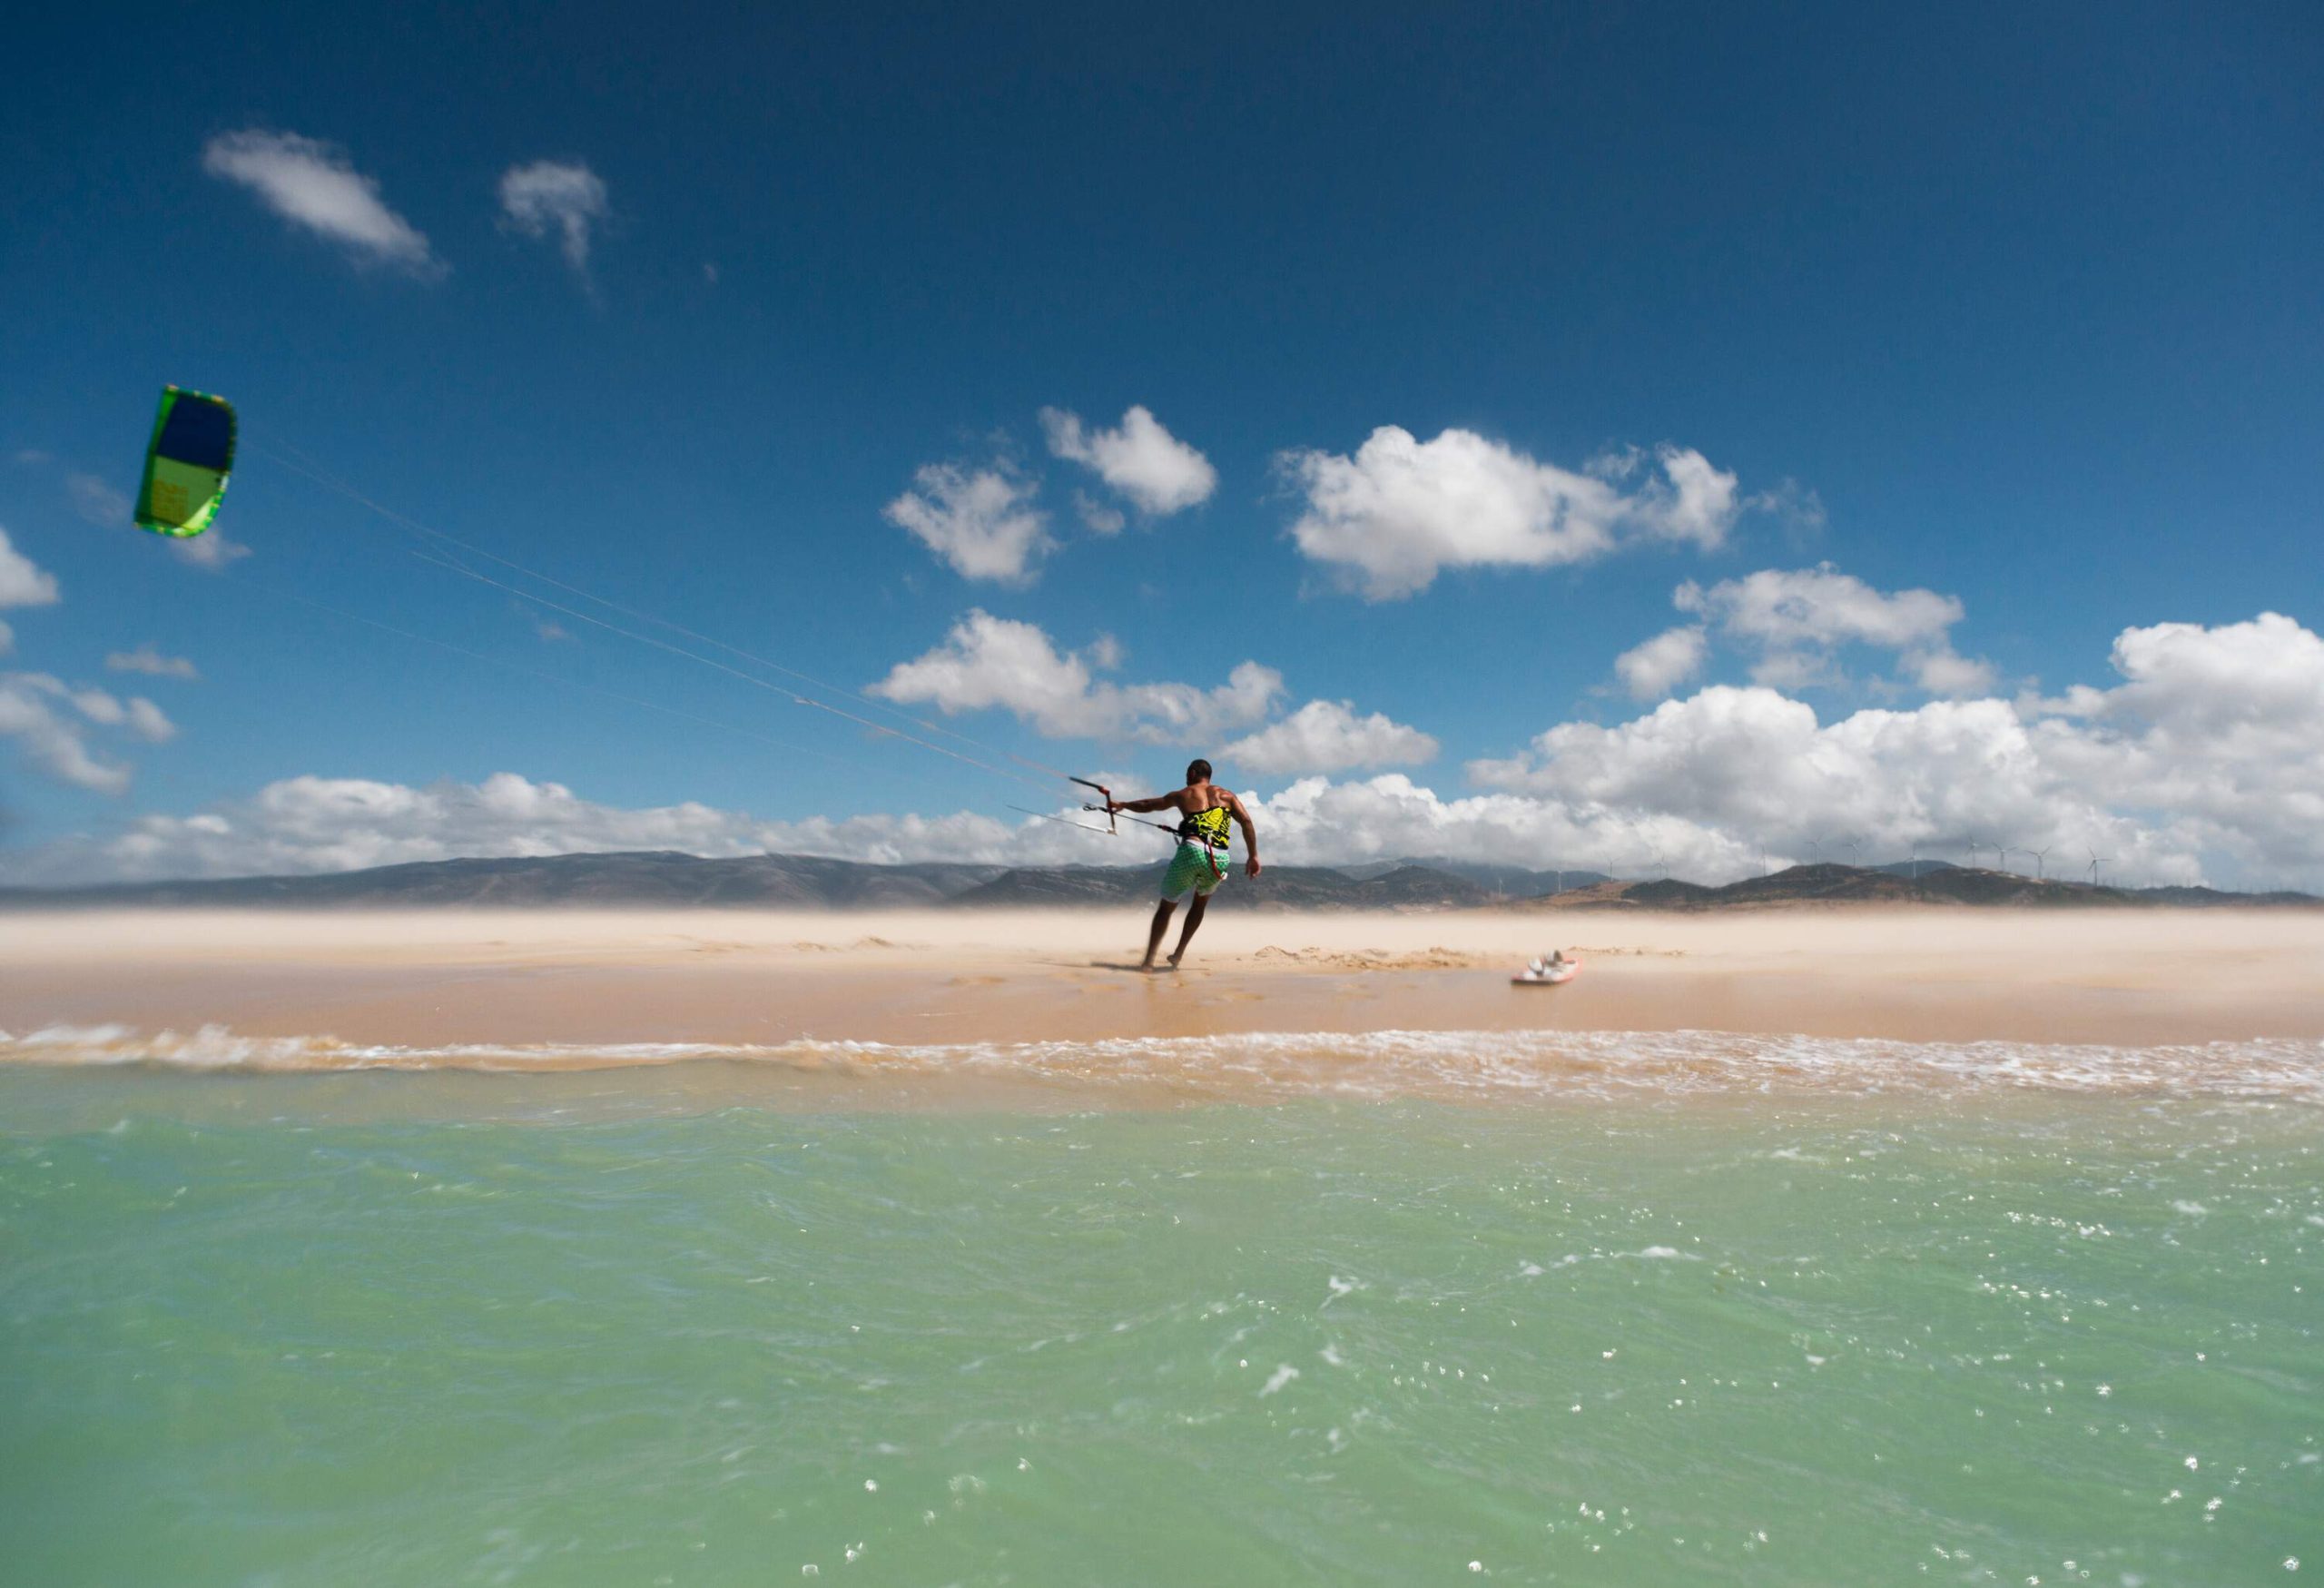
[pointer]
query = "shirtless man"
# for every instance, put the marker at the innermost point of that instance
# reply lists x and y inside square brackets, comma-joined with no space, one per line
[1200,865]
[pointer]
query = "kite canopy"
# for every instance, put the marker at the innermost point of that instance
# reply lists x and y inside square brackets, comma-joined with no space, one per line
[187,463]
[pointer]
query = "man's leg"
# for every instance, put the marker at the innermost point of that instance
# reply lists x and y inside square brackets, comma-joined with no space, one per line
[1161,924]
[1194,919]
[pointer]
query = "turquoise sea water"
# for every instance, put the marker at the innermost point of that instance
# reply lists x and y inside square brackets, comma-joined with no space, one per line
[692,1325]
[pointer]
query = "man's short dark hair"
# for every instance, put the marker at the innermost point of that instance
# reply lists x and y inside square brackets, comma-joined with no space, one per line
[1197,771]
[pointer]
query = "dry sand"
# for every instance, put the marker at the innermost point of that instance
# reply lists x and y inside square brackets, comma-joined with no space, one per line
[424,979]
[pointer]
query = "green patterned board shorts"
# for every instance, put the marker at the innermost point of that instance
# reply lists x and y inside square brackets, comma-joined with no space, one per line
[1193,867]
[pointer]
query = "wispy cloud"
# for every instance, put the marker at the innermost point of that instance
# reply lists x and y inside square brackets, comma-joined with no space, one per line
[210,550]
[150,661]
[312,184]
[49,721]
[549,628]
[22,582]
[553,195]
[98,502]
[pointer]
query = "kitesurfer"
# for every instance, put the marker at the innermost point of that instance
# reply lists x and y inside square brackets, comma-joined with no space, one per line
[1200,863]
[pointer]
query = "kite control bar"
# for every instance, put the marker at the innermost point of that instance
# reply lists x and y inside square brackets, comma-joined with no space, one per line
[1103,793]
[1107,811]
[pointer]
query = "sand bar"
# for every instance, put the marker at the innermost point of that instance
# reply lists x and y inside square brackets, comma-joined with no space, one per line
[2117,978]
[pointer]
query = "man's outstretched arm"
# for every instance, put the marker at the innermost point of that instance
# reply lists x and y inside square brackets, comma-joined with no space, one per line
[1168,802]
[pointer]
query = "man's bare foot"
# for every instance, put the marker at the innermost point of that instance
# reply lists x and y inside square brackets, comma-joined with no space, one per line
[1173,964]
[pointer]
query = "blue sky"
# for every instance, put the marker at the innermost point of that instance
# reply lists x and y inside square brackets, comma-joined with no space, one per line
[2018,312]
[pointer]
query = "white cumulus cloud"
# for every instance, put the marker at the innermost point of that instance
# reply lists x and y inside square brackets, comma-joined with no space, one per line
[1144,462]
[554,195]
[1318,820]
[1401,510]
[2204,757]
[1327,735]
[1692,502]
[1797,619]
[982,522]
[313,185]
[1757,763]
[2217,732]
[2210,751]
[1820,605]
[1653,669]
[987,662]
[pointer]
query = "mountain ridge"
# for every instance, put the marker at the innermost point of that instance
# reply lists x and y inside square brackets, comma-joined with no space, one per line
[668,879]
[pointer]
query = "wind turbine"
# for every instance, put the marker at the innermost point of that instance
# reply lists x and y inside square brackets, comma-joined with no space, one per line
[1654,861]
[2040,857]
[1856,853]
[1816,851]
[2097,860]
[1974,845]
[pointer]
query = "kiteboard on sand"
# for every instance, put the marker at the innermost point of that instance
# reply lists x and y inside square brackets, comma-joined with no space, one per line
[1541,973]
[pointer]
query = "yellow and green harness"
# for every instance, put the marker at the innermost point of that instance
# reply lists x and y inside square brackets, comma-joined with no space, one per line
[1200,863]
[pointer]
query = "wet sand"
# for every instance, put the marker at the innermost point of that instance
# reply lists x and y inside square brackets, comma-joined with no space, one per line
[2121,978]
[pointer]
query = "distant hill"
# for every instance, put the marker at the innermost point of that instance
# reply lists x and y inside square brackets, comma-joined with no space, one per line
[1509,881]
[664,879]
[634,879]
[1937,883]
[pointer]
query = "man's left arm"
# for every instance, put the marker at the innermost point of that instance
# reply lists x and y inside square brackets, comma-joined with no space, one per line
[1250,834]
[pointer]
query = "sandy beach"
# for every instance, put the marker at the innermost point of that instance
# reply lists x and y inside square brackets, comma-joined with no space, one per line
[952,976]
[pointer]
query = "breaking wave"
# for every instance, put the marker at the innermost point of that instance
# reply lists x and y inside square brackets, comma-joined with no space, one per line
[1283,1065]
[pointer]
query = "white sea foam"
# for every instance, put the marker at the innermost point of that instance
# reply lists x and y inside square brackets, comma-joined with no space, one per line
[1289,1064]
